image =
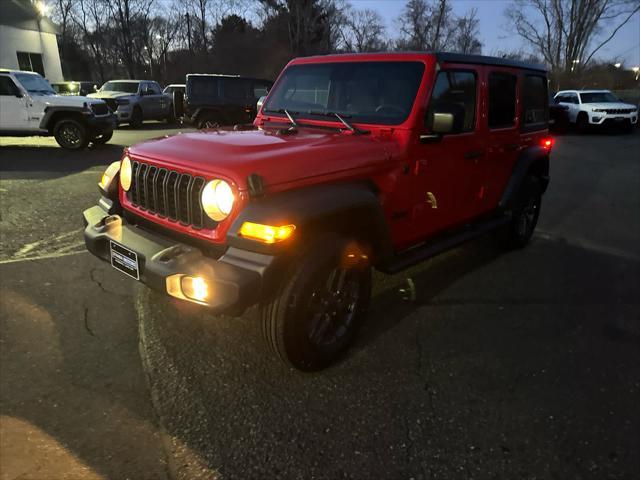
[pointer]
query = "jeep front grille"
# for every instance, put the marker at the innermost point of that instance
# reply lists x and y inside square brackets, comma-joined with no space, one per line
[167,193]
[100,108]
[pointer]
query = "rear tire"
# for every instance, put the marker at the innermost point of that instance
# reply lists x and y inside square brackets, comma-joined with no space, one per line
[208,120]
[136,118]
[317,312]
[526,211]
[71,134]
[171,118]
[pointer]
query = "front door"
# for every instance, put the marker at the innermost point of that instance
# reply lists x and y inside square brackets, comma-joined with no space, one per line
[13,106]
[448,169]
[503,133]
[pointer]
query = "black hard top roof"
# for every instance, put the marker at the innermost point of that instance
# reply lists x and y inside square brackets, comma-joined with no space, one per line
[484,60]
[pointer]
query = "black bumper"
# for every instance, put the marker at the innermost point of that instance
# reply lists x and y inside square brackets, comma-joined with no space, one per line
[235,279]
[102,125]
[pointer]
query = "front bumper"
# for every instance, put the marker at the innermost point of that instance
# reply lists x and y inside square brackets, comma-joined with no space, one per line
[235,279]
[598,118]
[102,124]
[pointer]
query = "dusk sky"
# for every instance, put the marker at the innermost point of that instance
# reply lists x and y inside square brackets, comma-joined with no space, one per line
[494,31]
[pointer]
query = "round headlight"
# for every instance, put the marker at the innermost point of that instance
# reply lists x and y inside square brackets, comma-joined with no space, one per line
[125,174]
[217,199]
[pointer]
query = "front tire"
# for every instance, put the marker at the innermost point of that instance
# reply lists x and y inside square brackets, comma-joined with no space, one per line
[102,138]
[316,314]
[71,134]
[582,123]
[136,118]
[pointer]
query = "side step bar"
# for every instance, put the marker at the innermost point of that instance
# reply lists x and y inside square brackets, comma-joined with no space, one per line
[431,249]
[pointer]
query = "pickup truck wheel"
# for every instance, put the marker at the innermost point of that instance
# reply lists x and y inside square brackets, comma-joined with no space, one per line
[102,138]
[525,214]
[71,134]
[170,118]
[208,120]
[136,118]
[319,309]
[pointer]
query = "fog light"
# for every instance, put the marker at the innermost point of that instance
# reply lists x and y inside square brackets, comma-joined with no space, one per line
[195,288]
[186,287]
[266,233]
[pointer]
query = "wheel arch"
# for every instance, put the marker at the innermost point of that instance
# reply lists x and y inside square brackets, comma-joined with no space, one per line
[350,209]
[533,160]
[53,114]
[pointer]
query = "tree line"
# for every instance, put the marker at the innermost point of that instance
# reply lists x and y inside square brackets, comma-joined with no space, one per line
[166,39]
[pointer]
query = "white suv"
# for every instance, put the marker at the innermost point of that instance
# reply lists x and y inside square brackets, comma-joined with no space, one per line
[596,107]
[29,106]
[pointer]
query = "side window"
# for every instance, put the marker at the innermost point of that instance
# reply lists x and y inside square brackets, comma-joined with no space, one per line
[502,100]
[236,88]
[260,89]
[454,92]
[31,62]
[154,87]
[534,102]
[7,87]
[575,99]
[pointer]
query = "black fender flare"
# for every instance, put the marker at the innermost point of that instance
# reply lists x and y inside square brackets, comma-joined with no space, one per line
[533,159]
[351,208]
[50,111]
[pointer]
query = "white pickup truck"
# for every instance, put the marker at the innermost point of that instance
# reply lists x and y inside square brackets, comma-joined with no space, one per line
[30,107]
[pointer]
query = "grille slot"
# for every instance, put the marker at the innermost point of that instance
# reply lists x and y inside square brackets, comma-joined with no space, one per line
[100,108]
[168,193]
[613,111]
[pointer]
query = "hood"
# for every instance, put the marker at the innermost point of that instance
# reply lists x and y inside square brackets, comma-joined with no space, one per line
[110,94]
[277,158]
[66,100]
[610,105]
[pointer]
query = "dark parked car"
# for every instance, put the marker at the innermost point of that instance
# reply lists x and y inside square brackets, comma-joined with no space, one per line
[558,116]
[212,100]
[75,88]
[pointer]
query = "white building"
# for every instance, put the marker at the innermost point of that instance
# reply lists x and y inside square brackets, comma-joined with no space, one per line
[28,40]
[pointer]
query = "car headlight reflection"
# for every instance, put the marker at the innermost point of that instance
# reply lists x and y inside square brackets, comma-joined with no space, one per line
[125,174]
[217,199]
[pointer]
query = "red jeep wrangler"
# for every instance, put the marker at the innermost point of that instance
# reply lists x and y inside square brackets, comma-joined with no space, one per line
[355,161]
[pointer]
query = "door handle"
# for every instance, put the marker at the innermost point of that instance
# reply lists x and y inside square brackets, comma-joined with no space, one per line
[473,154]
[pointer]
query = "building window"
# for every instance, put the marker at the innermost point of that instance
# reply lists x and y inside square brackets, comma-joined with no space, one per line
[31,62]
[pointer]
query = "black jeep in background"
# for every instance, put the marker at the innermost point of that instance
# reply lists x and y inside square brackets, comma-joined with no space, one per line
[213,100]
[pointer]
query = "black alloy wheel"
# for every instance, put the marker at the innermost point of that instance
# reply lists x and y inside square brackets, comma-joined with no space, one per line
[71,134]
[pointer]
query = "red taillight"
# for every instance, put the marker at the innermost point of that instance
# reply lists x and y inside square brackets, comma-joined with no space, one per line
[547,143]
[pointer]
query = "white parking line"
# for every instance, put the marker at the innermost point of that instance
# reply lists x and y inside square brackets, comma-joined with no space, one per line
[41,257]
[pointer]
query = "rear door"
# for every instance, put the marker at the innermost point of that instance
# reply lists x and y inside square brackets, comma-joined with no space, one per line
[570,100]
[238,98]
[503,135]
[13,105]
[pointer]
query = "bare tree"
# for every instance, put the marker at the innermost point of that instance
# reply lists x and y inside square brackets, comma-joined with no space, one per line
[364,31]
[568,33]
[90,16]
[431,25]
[466,33]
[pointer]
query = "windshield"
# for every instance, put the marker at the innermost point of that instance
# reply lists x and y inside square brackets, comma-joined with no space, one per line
[127,87]
[598,97]
[34,83]
[367,92]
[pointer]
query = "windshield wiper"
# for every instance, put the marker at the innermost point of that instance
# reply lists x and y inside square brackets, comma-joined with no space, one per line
[294,124]
[347,124]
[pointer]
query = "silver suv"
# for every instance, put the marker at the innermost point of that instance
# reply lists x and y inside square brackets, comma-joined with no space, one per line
[135,101]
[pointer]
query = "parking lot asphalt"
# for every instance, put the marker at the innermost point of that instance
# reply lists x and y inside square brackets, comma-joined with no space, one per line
[524,364]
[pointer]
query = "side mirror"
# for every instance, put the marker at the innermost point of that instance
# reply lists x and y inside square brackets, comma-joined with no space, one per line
[442,123]
[260,103]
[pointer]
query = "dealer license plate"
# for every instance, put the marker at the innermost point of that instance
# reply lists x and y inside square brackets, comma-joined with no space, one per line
[124,260]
